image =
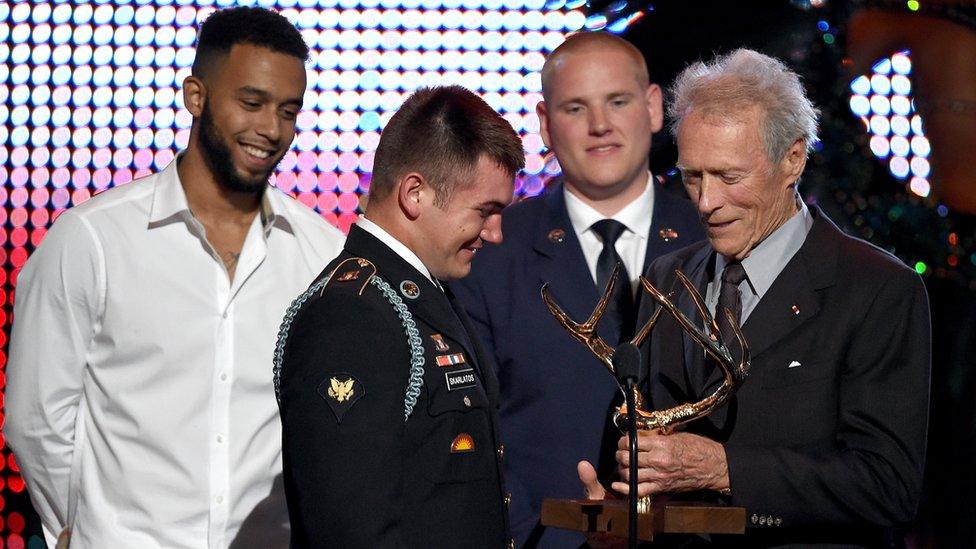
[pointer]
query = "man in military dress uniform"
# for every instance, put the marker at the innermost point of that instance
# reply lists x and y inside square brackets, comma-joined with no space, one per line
[386,400]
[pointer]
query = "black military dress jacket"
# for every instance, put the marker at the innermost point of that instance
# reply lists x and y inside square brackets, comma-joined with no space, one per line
[388,411]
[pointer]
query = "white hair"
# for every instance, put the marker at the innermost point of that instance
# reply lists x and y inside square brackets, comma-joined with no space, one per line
[745,78]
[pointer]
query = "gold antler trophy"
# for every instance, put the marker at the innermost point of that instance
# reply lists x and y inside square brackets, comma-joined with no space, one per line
[660,514]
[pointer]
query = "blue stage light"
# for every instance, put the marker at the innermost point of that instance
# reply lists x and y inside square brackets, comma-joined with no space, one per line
[20,74]
[41,75]
[60,118]
[82,55]
[60,14]
[101,97]
[20,13]
[880,125]
[880,105]
[102,56]
[41,94]
[165,36]
[899,167]
[60,56]
[880,146]
[882,67]
[102,35]
[880,84]
[165,15]
[920,146]
[39,117]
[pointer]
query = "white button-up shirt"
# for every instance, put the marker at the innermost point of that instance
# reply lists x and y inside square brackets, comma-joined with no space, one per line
[139,402]
[631,246]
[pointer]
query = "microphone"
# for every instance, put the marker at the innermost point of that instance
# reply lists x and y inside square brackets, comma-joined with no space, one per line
[626,365]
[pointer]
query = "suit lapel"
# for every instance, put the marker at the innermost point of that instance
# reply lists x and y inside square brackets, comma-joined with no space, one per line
[663,238]
[792,299]
[561,263]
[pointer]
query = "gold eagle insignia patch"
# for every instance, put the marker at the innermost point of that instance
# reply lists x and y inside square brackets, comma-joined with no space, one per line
[341,391]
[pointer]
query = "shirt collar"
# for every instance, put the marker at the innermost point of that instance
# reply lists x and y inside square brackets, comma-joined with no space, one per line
[769,258]
[169,202]
[398,247]
[636,216]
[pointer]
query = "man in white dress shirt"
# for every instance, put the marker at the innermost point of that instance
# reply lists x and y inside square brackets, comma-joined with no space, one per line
[139,402]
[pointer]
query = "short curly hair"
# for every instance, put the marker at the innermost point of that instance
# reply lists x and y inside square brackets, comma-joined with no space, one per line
[245,25]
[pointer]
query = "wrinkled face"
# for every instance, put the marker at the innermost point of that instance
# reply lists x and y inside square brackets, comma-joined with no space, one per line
[598,120]
[248,118]
[455,231]
[742,197]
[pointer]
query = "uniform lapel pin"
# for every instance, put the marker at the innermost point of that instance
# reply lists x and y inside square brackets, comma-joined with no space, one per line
[557,236]
[410,289]
[668,234]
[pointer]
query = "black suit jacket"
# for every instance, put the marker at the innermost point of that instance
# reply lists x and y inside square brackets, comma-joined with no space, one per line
[357,474]
[555,395]
[826,438]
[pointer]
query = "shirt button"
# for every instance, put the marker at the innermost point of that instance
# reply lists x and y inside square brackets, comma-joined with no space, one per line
[220,499]
[220,438]
[223,376]
[225,314]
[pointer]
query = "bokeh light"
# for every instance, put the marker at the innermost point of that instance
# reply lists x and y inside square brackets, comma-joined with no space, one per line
[883,100]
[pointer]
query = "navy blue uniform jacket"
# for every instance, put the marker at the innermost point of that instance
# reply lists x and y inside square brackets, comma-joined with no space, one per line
[555,396]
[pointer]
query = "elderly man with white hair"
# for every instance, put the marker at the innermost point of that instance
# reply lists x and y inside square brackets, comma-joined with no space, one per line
[824,443]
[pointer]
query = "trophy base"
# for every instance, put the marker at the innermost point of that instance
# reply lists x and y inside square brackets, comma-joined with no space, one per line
[666,516]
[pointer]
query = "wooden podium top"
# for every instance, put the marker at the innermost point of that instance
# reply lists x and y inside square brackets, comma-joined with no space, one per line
[666,516]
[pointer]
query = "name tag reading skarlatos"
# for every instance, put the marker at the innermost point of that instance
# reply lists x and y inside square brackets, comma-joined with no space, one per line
[461,379]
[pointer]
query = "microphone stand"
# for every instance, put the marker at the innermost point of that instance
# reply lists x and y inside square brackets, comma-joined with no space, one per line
[626,365]
[632,435]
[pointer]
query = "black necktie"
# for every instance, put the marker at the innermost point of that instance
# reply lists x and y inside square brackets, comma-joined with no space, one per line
[622,301]
[730,298]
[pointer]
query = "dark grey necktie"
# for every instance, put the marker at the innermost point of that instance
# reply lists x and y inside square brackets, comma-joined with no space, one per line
[621,306]
[730,298]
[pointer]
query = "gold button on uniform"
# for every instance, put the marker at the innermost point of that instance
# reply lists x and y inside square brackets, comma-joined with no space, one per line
[511,544]
[501,451]
[508,499]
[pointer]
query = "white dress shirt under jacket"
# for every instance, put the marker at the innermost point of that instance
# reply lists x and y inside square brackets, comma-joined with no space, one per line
[631,246]
[139,400]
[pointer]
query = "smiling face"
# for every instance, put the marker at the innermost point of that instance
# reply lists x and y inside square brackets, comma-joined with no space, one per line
[453,232]
[598,118]
[247,117]
[742,197]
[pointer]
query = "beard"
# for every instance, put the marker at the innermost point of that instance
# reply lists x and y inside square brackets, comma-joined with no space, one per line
[217,155]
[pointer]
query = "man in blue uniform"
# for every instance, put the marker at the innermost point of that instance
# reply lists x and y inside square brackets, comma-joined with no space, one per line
[597,116]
